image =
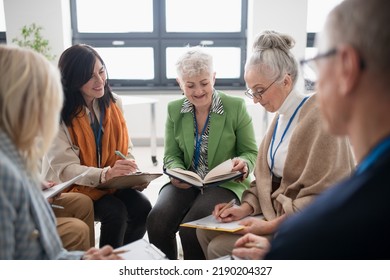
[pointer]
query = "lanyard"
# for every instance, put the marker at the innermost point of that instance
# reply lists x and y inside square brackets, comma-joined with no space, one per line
[198,140]
[272,154]
[98,139]
[374,155]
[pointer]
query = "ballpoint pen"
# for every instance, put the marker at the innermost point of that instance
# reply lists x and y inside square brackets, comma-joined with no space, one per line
[57,206]
[228,205]
[117,252]
[118,153]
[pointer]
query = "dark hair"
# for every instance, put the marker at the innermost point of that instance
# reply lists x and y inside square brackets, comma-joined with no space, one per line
[76,65]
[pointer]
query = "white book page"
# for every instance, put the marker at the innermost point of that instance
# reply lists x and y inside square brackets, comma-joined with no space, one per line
[140,250]
[50,192]
[210,222]
[188,174]
[221,169]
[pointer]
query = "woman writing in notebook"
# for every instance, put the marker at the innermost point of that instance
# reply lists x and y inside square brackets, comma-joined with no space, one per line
[297,159]
[30,104]
[92,129]
[203,129]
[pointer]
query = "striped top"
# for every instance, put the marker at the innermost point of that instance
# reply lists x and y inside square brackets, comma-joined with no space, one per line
[216,108]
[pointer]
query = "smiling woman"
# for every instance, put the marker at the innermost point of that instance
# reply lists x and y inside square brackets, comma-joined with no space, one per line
[288,173]
[92,128]
[203,129]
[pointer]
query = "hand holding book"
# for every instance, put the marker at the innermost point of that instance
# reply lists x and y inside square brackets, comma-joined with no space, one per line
[216,176]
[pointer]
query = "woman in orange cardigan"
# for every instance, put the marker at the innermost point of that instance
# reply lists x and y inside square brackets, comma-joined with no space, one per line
[92,129]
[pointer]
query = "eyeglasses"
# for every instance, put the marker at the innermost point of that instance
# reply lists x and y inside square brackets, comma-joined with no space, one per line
[258,93]
[310,70]
[318,56]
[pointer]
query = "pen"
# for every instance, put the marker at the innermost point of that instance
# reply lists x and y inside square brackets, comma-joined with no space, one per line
[228,205]
[118,153]
[57,206]
[254,245]
[117,252]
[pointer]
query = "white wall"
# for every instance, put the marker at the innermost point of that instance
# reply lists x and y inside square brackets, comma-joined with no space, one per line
[54,15]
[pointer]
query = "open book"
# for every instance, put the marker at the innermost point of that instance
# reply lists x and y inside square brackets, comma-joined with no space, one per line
[129,181]
[216,176]
[53,191]
[140,250]
[211,223]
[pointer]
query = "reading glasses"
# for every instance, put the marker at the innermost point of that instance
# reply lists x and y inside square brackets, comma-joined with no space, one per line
[258,93]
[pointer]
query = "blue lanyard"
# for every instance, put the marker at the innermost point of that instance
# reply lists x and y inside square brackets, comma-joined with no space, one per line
[98,139]
[369,160]
[199,139]
[272,154]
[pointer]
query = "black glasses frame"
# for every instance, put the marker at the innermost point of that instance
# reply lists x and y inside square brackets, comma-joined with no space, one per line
[249,93]
[319,56]
[327,54]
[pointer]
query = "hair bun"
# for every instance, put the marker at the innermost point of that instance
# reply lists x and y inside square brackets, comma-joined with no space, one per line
[273,40]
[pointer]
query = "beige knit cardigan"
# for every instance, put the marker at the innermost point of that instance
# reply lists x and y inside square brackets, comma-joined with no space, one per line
[315,161]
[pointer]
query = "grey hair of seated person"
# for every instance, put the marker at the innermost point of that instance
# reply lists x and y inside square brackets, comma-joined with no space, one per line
[364,25]
[30,103]
[195,61]
[271,56]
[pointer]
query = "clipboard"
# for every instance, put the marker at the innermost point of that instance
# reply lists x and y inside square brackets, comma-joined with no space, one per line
[211,223]
[129,181]
[53,191]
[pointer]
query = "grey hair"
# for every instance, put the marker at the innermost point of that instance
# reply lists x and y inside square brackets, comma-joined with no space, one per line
[364,25]
[271,54]
[193,62]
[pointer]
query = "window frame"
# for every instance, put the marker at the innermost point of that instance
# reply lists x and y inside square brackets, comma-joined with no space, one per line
[3,37]
[159,40]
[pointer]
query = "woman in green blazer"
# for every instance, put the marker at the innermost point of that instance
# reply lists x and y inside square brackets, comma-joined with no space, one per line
[203,129]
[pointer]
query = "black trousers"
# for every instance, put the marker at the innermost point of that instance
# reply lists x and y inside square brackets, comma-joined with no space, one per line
[175,206]
[122,216]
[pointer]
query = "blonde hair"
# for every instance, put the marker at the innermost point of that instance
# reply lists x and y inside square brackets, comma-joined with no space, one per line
[272,56]
[30,103]
[194,62]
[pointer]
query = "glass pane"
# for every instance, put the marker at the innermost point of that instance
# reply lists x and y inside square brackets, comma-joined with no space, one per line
[227,61]
[128,63]
[2,16]
[317,12]
[114,16]
[201,16]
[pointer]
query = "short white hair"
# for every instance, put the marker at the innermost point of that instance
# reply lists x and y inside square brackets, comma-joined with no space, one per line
[193,62]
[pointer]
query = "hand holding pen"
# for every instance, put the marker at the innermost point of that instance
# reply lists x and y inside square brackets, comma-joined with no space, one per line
[221,211]
[118,153]
[129,165]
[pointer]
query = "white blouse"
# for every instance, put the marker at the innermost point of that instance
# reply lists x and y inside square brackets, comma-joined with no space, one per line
[285,112]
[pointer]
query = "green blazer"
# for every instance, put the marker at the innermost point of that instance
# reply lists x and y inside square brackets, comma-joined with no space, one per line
[230,135]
